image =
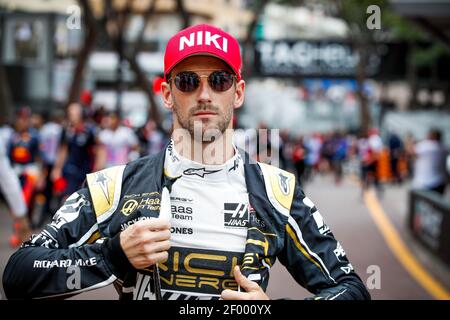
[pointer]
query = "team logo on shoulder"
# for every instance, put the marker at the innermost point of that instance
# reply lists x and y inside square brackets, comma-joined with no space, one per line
[323,228]
[101,179]
[201,172]
[70,210]
[283,182]
[129,207]
[236,215]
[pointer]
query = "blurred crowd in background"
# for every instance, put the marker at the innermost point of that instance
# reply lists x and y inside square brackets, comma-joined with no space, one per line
[52,153]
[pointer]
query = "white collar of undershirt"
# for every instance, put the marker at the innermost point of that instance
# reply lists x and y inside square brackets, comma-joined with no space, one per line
[176,165]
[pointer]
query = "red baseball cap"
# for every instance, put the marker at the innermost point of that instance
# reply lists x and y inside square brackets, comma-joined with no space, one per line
[203,39]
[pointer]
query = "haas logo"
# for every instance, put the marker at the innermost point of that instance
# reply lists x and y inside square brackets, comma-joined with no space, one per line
[236,215]
[204,37]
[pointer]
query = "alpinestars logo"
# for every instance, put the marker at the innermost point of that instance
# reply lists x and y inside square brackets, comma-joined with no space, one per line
[201,172]
[236,215]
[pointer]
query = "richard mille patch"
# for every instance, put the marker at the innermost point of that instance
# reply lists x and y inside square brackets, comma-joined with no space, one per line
[235,215]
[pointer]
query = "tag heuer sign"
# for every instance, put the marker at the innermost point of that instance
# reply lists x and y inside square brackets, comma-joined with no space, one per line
[311,59]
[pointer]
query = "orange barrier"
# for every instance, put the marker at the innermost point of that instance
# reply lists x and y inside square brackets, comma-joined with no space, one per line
[384,171]
[384,166]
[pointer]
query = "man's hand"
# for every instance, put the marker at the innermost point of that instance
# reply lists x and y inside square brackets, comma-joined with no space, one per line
[254,291]
[146,242]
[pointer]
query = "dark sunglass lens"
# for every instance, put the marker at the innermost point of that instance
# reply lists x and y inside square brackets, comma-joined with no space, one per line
[187,81]
[220,80]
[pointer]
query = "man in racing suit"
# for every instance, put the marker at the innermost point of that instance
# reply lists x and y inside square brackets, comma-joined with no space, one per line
[230,218]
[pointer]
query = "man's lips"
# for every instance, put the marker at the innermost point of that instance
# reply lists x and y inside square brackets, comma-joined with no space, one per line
[205,113]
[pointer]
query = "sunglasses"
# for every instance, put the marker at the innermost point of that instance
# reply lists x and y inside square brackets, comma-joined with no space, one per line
[189,81]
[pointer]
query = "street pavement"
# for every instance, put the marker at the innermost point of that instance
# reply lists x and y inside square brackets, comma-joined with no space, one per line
[346,213]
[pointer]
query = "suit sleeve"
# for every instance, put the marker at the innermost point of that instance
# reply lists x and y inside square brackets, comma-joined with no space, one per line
[67,257]
[315,258]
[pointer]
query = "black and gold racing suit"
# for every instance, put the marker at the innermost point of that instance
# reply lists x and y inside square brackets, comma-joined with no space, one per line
[80,250]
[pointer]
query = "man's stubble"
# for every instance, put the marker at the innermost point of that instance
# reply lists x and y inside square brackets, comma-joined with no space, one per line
[197,128]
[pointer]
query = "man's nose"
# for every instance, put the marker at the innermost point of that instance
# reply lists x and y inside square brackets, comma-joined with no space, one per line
[204,90]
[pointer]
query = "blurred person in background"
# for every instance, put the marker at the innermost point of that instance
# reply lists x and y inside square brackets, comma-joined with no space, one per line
[429,166]
[313,146]
[86,99]
[298,158]
[36,121]
[409,144]
[117,144]
[50,137]
[263,143]
[76,154]
[395,145]
[11,190]
[285,162]
[447,165]
[339,155]
[5,132]
[98,116]
[326,153]
[376,147]
[25,157]
[375,141]
[151,138]
[369,146]
[352,165]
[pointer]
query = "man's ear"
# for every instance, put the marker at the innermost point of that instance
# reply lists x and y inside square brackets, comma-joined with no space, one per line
[167,95]
[239,94]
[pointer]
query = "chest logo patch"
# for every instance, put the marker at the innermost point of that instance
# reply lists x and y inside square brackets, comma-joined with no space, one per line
[201,172]
[236,215]
[129,207]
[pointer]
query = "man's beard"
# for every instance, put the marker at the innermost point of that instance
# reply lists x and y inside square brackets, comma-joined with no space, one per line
[197,128]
